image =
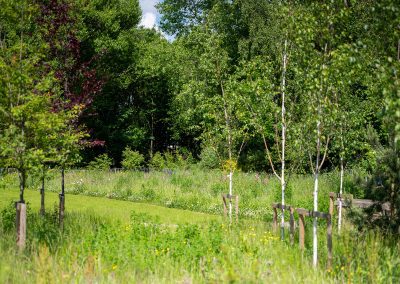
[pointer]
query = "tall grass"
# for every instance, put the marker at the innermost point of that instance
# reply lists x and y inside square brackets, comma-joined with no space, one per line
[95,248]
[192,189]
[100,250]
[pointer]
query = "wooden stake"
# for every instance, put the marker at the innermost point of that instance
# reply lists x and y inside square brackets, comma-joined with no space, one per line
[329,240]
[62,200]
[224,202]
[21,225]
[275,221]
[301,231]
[331,202]
[291,226]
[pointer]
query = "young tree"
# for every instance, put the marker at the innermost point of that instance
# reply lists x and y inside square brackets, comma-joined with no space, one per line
[316,126]
[348,136]
[26,93]
[208,103]
[226,111]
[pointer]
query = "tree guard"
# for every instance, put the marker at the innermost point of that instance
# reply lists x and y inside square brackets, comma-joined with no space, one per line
[276,206]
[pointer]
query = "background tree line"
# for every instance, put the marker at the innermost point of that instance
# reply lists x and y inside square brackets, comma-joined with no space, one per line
[294,86]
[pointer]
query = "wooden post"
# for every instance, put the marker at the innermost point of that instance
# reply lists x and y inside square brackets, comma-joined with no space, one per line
[237,208]
[291,225]
[329,240]
[302,213]
[224,203]
[301,231]
[21,225]
[331,202]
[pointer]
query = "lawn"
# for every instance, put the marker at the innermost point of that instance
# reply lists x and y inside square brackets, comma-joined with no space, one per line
[105,207]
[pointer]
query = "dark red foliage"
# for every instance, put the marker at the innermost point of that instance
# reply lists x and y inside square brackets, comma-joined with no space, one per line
[93,143]
[78,78]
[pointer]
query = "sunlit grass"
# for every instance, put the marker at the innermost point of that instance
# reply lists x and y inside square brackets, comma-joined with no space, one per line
[105,207]
[193,189]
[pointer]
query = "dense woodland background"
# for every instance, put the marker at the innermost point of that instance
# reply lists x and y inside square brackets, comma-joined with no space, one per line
[285,101]
[80,79]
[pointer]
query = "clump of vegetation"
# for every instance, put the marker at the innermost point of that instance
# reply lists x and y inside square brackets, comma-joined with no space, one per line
[157,162]
[102,162]
[209,158]
[147,250]
[132,160]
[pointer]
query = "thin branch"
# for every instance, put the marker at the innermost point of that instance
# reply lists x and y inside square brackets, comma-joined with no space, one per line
[269,157]
[265,143]
[325,153]
[241,147]
[311,163]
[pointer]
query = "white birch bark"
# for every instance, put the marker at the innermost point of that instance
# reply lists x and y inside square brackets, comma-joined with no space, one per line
[340,194]
[228,126]
[230,193]
[316,176]
[283,183]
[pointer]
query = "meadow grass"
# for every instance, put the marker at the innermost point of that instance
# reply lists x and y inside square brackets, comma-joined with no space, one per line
[191,189]
[93,249]
[103,243]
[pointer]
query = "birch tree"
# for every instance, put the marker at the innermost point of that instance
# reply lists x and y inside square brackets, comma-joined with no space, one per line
[348,136]
[208,98]
[226,111]
[317,109]
[268,115]
[267,84]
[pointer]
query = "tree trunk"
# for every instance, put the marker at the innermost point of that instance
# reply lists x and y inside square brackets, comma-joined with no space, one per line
[152,137]
[315,222]
[392,201]
[340,194]
[21,212]
[22,182]
[316,176]
[230,193]
[62,199]
[283,183]
[229,138]
[42,207]
[398,50]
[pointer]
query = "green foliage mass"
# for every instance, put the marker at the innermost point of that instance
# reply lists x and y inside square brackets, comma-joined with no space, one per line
[32,131]
[102,162]
[132,159]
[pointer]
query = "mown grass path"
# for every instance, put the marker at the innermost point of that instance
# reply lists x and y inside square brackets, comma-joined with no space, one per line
[108,208]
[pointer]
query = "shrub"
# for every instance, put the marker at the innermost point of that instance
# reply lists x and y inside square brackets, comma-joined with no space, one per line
[209,158]
[132,160]
[157,162]
[170,160]
[102,162]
